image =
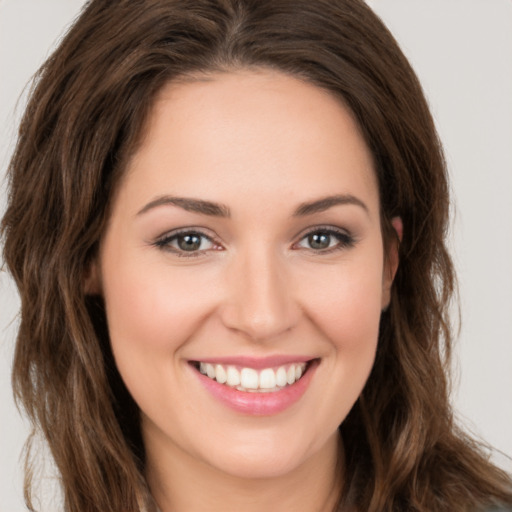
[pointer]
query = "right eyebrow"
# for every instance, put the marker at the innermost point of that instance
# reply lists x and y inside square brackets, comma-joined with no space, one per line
[324,203]
[189,204]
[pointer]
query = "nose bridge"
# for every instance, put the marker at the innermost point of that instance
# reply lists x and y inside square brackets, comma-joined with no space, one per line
[260,301]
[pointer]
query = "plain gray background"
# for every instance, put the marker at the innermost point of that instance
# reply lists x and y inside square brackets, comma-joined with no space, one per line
[462,52]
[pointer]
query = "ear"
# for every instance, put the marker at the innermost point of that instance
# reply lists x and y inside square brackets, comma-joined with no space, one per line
[92,279]
[391,260]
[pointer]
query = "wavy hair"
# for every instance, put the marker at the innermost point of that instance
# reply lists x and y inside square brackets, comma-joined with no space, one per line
[84,119]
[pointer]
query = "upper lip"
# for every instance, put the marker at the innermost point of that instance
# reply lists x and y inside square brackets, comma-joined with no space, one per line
[257,363]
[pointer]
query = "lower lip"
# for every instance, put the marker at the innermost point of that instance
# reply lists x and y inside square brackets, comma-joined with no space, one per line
[259,404]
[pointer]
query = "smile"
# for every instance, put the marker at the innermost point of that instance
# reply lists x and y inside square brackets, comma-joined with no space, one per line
[252,380]
[256,387]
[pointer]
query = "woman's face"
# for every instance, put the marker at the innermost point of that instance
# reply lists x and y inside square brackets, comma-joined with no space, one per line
[245,243]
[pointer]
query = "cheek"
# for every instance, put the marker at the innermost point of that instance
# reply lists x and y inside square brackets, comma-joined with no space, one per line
[348,307]
[151,308]
[152,313]
[348,315]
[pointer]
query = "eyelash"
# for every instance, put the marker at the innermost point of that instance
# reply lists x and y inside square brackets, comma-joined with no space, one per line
[164,243]
[345,241]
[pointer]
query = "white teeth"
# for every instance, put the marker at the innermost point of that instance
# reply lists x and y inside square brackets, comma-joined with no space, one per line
[210,371]
[220,374]
[267,379]
[233,377]
[290,375]
[281,377]
[249,379]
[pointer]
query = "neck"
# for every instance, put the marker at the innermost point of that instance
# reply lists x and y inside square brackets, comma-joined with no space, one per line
[179,483]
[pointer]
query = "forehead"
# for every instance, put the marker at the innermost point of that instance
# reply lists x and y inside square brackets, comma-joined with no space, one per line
[257,131]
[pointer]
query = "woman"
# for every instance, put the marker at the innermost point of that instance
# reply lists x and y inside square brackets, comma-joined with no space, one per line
[226,223]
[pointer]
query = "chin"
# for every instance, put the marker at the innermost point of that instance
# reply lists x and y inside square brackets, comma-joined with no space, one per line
[265,456]
[256,466]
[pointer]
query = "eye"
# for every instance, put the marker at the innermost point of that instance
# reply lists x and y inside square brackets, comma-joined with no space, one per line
[186,243]
[326,240]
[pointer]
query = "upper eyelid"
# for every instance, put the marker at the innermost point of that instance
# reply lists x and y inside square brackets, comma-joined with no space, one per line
[181,231]
[323,227]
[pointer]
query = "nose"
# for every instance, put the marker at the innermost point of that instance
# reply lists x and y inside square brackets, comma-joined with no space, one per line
[260,301]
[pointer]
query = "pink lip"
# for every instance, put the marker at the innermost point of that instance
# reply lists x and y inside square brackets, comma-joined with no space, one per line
[259,404]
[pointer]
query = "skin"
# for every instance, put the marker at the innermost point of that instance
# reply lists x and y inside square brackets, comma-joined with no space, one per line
[256,287]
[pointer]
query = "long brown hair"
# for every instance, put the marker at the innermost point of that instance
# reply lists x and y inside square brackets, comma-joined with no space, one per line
[84,120]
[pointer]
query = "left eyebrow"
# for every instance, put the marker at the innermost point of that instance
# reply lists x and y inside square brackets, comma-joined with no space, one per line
[323,204]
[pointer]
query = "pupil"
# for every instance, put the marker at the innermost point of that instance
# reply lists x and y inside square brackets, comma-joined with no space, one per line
[319,241]
[189,242]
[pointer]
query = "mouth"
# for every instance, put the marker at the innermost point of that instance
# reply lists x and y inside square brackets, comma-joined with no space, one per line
[263,387]
[253,380]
